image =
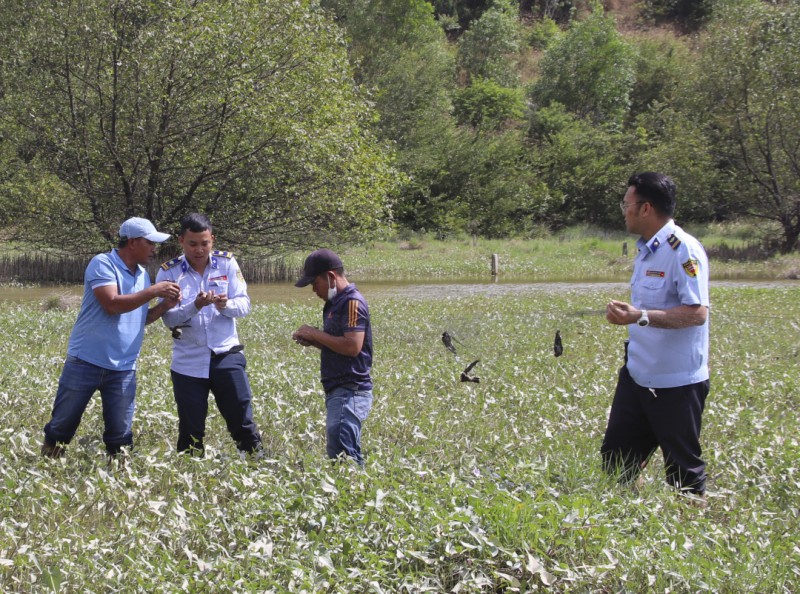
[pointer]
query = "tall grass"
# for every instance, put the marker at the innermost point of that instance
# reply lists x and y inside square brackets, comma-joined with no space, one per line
[489,487]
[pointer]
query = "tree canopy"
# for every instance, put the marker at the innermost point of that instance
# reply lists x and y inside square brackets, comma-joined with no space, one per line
[748,92]
[245,110]
[329,120]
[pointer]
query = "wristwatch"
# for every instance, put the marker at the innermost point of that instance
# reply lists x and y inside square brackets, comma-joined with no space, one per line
[643,320]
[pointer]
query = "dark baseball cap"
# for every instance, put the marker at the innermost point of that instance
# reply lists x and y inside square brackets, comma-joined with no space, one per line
[318,262]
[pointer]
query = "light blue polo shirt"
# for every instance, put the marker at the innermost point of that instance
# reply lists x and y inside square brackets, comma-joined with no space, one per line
[671,269]
[111,341]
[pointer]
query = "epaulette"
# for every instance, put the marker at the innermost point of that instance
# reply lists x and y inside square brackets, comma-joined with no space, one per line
[673,241]
[170,263]
[222,254]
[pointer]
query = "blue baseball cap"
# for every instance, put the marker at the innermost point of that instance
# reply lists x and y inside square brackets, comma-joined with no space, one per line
[138,227]
[318,262]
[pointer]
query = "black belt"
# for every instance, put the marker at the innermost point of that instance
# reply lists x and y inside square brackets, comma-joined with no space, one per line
[350,386]
[237,349]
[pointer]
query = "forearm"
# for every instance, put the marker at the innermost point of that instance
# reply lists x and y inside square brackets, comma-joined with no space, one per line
[348,345]
[683,316]
[119,304]
[154,313]
[179,315]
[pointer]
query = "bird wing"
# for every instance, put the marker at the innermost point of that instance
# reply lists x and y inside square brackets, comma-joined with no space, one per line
[469,367]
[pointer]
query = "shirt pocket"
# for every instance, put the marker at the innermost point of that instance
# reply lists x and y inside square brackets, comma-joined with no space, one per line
[651,292]
[219,287]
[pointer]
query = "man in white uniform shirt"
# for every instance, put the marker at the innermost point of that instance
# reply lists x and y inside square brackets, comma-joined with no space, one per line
[662,387]
[206,353]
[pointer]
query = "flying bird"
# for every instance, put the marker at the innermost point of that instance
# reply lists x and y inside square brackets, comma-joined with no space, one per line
[466,377]
[448,342]
[558,348]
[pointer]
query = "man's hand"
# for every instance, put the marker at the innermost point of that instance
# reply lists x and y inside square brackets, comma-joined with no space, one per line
[621,313]
[221,302]
[168,290]
[169,303]
[206,298]
[304,335]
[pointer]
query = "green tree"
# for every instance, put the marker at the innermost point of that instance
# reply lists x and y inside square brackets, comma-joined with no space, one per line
[660,67]
[489,48]
[486,104]
[582,164]
[665,139]
[589,70]
[485,189]
[692,14]
[748,96]
[244,109]
[401,56]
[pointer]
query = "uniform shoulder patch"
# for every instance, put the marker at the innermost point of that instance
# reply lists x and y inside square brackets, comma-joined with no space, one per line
[692,267]
[222,254]
[170,263]
[673,241]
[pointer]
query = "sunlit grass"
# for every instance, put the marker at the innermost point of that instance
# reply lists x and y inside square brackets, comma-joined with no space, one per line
[577,254]
[482,487]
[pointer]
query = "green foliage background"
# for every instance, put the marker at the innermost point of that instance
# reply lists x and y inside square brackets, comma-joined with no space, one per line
[332,122]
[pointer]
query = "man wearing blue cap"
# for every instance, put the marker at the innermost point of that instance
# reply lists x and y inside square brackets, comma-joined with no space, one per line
[107,337]
[345,343]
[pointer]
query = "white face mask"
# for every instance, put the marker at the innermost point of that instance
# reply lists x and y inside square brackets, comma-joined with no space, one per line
[332,291]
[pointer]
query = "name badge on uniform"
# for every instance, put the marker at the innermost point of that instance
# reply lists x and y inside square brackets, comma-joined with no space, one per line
[218,281]
[655,273]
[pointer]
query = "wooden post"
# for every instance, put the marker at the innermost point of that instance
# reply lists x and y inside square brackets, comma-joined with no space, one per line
[624,248]
[495,265]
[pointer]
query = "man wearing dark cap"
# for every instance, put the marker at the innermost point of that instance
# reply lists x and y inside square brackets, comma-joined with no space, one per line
[107,337]
[345,343]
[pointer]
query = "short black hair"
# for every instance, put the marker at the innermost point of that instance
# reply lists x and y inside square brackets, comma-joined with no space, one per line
[196,223]
[657,189]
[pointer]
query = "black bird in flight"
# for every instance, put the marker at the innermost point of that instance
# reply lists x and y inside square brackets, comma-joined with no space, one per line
[558,348]
[448,342]
[466,377]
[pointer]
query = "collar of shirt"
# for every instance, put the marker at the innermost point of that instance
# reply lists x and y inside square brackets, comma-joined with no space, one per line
[343,294]
[659,239]
[120,263]
[213,263]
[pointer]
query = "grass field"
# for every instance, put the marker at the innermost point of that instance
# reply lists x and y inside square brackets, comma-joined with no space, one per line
[576,254]
[490,487]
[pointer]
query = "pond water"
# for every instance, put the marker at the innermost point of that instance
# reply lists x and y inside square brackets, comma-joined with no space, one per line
[426,289]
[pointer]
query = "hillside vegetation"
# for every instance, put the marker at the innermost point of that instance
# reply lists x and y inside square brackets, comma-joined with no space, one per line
[337,121]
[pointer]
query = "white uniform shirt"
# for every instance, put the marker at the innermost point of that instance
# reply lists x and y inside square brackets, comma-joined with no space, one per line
[209,329]
[670,270]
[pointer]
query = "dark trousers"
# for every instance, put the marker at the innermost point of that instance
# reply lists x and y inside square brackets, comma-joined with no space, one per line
[641,421]
[227,380]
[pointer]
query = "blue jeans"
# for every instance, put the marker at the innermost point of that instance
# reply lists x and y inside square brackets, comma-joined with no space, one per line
[227,380]
[79,381]
[346,410]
